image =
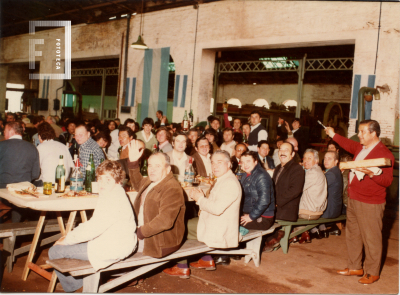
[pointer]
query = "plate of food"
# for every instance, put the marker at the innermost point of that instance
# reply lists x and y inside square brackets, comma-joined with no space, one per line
[74,194]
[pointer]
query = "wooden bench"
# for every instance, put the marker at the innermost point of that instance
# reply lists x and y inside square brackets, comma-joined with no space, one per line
[145,264]
[287,227]
[9,232]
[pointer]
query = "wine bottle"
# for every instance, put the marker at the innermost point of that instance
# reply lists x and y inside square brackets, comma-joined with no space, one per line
[60,176]
[244,138]
[239,172]
[191,119]
[143,170]
[92,167]
[119,152]
[88,179]
[185,122]
[75,150]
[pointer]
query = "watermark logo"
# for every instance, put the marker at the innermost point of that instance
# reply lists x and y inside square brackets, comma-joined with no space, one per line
[57,54]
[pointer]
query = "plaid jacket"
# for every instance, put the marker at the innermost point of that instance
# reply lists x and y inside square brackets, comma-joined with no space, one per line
[87,148]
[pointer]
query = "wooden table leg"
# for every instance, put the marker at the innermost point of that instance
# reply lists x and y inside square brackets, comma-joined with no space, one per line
[83,216]
[34,244]
[60,223]
[52,284]
[70,222]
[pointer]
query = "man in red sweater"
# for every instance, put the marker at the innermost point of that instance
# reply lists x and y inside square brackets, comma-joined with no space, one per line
[366,204]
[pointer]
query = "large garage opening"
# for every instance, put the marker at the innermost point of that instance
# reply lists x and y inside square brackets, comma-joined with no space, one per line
[92,90]
[312,83]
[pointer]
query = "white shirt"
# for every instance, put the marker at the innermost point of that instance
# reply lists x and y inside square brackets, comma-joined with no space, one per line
[49,156]
[181,164]
[113,149]
[110,232]
[262,135]
[147,139]
[207,163]
[361,156]
[230,147]
[275,157]
[16,136]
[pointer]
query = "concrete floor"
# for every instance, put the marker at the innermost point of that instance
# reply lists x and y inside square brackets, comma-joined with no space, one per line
[307,268]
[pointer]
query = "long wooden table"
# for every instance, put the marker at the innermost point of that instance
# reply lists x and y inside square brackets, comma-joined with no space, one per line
[53,203]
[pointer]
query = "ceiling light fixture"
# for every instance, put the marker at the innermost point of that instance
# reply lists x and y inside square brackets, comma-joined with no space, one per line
[139,44]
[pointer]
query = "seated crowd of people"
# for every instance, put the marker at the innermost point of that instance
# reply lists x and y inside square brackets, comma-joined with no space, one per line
[257,180]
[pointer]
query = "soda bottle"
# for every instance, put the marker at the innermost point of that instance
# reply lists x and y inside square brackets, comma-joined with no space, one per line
[189,172]
[60,176]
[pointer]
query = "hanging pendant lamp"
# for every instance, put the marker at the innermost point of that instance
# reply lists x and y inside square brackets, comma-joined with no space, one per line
[139,44]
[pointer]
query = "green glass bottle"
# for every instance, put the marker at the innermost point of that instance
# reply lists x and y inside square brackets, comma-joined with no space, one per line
[60,176]
[143,170]
[90,174]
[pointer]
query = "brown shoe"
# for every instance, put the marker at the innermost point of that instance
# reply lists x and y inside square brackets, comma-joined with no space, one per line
[305,238]
[201,264]
[368,279]
[351,272]
[183,273]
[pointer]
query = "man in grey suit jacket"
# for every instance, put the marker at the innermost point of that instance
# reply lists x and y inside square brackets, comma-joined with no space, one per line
[19,161]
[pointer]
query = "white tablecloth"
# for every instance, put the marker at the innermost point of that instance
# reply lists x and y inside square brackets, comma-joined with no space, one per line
[52,203]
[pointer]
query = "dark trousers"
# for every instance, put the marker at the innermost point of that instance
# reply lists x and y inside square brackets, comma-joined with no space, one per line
[364,229]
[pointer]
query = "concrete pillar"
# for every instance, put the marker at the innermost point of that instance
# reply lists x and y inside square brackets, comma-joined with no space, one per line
[3,86]
[201,106]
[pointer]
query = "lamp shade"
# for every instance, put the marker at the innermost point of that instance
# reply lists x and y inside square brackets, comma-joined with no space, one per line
[139,44]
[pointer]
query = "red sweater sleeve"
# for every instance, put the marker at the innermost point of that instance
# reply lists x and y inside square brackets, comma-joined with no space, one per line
[226,120]
[369,190]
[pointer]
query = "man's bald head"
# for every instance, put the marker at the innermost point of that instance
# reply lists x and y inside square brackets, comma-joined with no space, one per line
[294,143]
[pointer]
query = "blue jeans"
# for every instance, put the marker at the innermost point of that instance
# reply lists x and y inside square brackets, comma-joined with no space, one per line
[78,251]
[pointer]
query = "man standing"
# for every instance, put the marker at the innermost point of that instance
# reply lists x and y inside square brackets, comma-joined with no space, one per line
[202,158]
[179,161]
[246,131]
[289,180]
[161,119]
[263,150]
[257,132]
[366,203]
[19,161]
[281,132]
[299,133]
[57,129]
[215,124]
[125,136]
[229,143]
[10,117]
[87,146]
[194,134]
[164,139]
[159,204]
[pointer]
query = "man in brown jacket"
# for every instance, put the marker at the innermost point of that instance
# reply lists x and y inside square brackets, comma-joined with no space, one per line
[159,204]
